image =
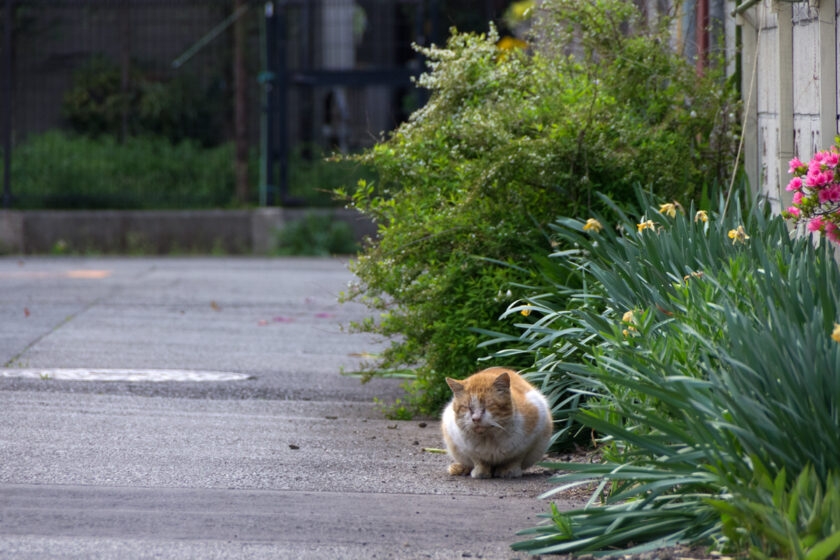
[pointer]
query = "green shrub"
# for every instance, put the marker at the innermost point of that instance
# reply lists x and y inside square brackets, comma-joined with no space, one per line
[317,235]
[705,350]
[59,171]
[178,109]
[313,178]
[506,142]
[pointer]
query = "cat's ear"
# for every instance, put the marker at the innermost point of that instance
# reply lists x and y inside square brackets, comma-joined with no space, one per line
[502,383]
[456,386]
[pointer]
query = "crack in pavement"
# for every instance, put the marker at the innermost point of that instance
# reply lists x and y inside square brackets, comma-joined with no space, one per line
[84,309]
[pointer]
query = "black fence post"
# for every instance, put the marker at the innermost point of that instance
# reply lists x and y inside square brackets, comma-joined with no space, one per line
[281,112]
[433,26]
[6,109]
[270,100]
[277,157]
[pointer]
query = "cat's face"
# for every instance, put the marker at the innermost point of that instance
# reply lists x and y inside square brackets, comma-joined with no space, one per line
[481,405]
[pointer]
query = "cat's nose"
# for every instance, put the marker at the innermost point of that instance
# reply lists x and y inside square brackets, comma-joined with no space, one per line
[476,416]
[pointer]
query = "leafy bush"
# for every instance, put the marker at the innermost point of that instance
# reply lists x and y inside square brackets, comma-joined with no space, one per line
[178,109]
[58,170]
[313,178]
[709,354]
[316,235]
[506,142]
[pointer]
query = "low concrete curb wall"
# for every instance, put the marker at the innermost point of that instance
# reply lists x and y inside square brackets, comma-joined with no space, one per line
[159,231]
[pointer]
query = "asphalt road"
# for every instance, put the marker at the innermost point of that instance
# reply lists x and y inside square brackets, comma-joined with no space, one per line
[293,462]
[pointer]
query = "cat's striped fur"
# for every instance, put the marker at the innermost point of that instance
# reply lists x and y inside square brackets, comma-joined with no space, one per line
[497,424]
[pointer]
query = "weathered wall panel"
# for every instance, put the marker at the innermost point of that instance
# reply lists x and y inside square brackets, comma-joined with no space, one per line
[767,76]
[768,149]
[808,112]
[806,79]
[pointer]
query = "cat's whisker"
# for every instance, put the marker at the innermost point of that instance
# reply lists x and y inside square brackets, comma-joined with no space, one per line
[497,425]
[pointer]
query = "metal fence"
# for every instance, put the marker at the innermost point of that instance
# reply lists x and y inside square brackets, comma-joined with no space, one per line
[338,72]
[254,80]
[78,72]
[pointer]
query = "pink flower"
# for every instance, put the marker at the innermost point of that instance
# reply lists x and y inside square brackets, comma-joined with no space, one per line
[823,196]
[829,194]
[815,178]
[832,231]
[795,184]
[816,192]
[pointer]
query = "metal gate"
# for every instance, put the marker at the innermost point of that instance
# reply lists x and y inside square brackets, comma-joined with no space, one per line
[336,74]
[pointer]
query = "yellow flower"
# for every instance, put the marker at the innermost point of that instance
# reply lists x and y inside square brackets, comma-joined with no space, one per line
[669,208]
[509,43]
[647,224]
[629,319]
[521,10]
[701,216]
[526,311]
[737,235]
[835,335]
[593,224]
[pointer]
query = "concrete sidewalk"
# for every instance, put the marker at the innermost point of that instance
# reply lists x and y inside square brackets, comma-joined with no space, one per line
[293,462]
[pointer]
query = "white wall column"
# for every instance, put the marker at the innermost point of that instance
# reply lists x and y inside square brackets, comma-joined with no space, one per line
[784,13]
[828,72]
[749,89]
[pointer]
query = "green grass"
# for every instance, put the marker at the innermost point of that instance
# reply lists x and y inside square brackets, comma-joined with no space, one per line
[60,170]
[316,235]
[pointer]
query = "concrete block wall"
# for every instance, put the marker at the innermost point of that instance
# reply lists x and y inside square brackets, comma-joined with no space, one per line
[159,232]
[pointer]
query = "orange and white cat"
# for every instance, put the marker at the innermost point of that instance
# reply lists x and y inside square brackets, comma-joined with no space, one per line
[497,424]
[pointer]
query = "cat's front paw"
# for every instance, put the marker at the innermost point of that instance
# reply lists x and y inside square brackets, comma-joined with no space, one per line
[513,471]
[457,469]
[481,471]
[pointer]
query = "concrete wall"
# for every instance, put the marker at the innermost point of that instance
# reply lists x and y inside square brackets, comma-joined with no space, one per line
[161,232]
